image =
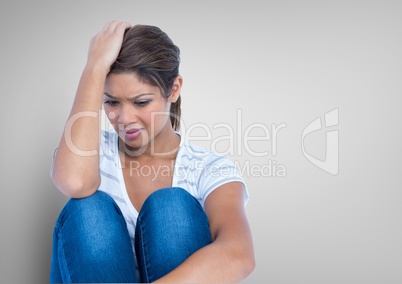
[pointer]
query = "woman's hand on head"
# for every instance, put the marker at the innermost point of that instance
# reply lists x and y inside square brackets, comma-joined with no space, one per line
[105,46]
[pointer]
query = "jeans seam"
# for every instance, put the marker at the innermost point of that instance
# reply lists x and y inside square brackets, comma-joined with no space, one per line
[143,256]
[63,259]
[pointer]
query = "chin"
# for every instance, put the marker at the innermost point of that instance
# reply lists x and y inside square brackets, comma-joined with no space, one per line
[134,145]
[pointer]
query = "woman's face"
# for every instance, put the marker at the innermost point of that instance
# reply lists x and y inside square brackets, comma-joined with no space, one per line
[137,110]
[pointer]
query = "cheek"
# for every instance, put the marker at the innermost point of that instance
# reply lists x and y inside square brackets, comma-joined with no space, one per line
[111,115]
[157,115]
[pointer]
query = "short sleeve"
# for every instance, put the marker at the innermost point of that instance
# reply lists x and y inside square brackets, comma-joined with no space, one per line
[218,171]
[52,165]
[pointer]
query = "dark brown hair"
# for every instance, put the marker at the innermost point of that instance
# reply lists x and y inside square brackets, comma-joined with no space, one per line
[148,52]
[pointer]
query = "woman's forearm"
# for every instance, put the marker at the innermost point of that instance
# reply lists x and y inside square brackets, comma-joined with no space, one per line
[76,165]
[217,262]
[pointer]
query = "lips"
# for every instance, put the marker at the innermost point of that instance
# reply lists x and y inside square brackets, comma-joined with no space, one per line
[131,131]
[132,134]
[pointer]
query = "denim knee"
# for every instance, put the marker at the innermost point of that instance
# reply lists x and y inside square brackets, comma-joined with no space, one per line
[169,200]
[91,222]
[170,227]
[91,242]
[95,206]
[173,214]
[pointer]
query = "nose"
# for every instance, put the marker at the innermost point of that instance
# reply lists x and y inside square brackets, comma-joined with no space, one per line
[126,116]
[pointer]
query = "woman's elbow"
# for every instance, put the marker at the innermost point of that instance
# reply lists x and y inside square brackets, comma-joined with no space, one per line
[249,265]
[76,187]
[242,262]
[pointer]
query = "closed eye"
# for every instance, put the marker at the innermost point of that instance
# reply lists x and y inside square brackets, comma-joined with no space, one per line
[142,102]
[111,102]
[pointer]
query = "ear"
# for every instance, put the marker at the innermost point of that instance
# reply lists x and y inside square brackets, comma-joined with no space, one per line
[176,89]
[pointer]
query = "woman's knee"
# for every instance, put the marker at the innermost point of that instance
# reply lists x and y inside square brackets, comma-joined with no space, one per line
[172,200]
[90,215]
[171,226]
[174,209]
[91,233]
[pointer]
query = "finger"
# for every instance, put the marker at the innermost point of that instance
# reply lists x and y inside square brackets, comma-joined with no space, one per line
[122,26]
[111,26]
[106,26]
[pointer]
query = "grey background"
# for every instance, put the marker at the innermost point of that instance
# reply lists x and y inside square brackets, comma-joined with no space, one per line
[279,62]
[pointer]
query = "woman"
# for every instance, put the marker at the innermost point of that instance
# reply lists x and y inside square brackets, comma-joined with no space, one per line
[145,205]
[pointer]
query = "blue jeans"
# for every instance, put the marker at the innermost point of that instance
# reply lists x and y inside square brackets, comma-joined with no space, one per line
[91,242]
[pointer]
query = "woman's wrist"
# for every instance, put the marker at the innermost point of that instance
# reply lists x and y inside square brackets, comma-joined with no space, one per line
[97,70]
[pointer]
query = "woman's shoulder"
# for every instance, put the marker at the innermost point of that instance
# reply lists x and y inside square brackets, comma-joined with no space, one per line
[204,170]
[194,153]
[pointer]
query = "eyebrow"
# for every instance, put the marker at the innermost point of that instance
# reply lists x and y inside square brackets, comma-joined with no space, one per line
[132,98]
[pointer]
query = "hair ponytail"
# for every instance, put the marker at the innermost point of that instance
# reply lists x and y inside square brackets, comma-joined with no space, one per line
[175,114]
